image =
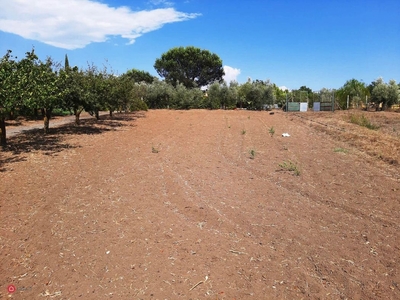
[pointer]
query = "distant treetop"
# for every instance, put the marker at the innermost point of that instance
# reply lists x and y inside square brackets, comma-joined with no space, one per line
[190,66]
[139,76]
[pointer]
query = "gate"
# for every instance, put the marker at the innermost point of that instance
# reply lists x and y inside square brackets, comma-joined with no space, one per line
[297,101]
[325,101]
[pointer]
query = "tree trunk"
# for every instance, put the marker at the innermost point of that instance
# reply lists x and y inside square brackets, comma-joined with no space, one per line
[11,115]
[111,113]
[96,113]
[47,116]
[77,113]
[35,113]
[3,136]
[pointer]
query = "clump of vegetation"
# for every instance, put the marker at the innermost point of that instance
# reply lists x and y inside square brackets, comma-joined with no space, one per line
[290,166]
[362,120]
[340,150]
[252,154]
[271,131]
[138,105]
[61,112]
[243,131]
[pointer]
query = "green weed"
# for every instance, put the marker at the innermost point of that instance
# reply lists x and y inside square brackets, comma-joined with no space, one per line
[362,120]
[340,150]
[60,112]
[290,166]
[252,153]
[271,131]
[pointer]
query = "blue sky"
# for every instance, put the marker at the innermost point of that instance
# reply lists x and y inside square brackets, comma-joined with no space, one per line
[290,42]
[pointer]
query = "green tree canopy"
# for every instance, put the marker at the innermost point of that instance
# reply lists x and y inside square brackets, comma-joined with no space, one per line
[73,99]
[190,66]
[159,94]
[257,94]
[49,93]
[214,95]
[139,76]
[280,95]
[306,89]
[385,94]
[354,89]
[96,90]
[8,91]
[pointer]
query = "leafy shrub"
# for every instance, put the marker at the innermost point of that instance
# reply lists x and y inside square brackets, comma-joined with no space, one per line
[61,112]
[138,105]
[362,120]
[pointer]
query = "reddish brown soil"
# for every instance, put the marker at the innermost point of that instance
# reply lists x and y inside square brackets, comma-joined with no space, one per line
[174,205]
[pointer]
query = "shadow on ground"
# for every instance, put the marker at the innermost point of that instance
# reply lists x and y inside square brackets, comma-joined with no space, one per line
[34,140]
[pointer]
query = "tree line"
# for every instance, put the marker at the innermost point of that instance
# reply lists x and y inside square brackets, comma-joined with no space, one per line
[193,79]
[379,93]
[36,88]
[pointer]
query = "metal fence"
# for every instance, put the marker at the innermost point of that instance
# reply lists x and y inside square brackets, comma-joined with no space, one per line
[301,101]
[324,101]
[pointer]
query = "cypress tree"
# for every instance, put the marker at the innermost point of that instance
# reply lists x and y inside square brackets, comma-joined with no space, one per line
[66,63]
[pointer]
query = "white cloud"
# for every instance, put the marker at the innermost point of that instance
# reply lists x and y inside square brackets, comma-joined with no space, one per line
[284,88]
[72,24]
[231,74]
[161,2]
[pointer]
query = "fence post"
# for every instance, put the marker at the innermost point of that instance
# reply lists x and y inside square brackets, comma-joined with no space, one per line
[286,103]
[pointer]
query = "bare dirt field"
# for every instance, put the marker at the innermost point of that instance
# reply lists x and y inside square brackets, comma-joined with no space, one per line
[203,205]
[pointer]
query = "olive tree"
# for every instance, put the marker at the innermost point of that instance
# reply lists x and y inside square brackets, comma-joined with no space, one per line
[222,96]
[139,94]
[159,95]
[258,94]
[213,96]
[184,98]
[384,94]
[354,90]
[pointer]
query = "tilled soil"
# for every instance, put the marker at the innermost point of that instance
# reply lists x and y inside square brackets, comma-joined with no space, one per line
[201,205]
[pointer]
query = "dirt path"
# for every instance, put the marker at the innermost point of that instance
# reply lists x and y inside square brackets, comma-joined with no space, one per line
[15,128]
[194,205]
